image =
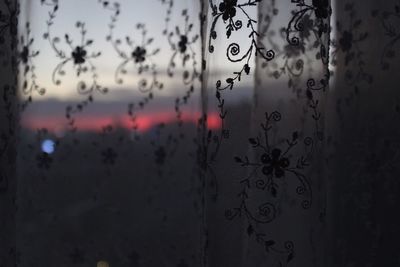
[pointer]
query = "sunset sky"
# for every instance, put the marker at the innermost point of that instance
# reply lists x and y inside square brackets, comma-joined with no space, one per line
[150,12]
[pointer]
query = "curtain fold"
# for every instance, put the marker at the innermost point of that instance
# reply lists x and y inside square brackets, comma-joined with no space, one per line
[288,129]
[363,150]
[8,132]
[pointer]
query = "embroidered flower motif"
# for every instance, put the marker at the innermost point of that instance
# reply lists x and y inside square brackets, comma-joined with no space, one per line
[321,8]
[228,7]
[79,55]
[346,42]
[24,54]
[307,26]
[109,156]
[274,163]
[294,51]
[160,155]
[183,44]
[139,54]
[44,160]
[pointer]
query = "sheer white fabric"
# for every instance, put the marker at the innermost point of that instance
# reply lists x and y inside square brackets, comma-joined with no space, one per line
[199,133]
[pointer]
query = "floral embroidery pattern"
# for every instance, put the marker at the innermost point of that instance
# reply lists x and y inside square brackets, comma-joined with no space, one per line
[44,160]
[348,43]
[8,20]
[292,57]
[315,15]
[9,27]
[182,41]
[81,59]
[322,8]
[274,164]
[390,23]
[228,10]
[136,52]
[109,156]
[26,55]
[139,56]
[313,19]
[79,56]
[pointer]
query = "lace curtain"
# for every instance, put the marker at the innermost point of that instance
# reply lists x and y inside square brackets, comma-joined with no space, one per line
[199,133]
